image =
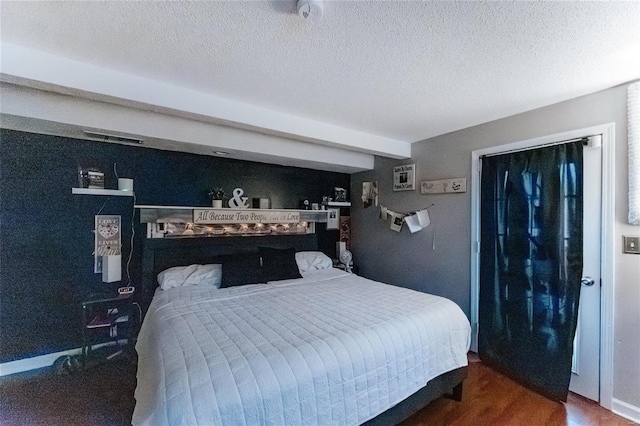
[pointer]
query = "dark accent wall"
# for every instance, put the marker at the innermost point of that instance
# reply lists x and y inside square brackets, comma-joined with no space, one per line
[46,239]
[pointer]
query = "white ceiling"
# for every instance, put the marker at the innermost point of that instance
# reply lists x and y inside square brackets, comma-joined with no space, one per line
[388,72]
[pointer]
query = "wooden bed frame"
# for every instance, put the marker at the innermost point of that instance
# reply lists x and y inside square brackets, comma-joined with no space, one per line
[162,253]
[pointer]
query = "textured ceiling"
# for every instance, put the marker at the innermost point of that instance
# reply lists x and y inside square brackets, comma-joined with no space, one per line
[403,70]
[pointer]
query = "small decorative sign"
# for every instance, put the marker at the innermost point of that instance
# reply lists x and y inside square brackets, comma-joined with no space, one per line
[228,216]
[404,177]
[238,201]
[108,236]
[443,186]
[333,218]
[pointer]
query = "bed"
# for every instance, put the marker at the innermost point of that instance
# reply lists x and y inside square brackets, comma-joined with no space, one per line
[328,348]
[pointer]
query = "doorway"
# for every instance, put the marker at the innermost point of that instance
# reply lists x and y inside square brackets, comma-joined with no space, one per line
[585,374]
[605,318]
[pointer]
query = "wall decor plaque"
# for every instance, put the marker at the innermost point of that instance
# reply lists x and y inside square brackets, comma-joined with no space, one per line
[108,235]
[404,177]
[444,186]
[225,216]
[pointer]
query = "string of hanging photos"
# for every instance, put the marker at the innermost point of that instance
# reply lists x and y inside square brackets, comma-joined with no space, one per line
[415,220]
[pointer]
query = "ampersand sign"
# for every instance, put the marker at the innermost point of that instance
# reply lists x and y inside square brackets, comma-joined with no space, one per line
[238,201]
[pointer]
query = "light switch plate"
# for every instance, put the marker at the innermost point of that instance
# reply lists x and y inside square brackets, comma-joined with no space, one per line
[632,245]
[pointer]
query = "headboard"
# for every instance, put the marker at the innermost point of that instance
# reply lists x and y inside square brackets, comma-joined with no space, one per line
[159,254]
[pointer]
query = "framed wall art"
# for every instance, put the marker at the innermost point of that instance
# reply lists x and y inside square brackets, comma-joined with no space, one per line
[333,219]
[404,177]
[345,231]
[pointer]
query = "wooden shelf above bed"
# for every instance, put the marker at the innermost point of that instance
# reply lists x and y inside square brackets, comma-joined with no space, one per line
[189,221]
[170,214]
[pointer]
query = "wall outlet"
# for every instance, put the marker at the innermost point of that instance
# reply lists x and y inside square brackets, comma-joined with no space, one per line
[632,245]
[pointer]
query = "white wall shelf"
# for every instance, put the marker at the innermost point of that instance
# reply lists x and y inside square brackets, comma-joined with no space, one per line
[108,192]
[337,204]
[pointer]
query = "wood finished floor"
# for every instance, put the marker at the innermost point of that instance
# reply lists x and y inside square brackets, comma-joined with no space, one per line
[104,396]
[490,398]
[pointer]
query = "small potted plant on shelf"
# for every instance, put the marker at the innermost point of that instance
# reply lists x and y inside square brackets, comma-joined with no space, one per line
[216,195]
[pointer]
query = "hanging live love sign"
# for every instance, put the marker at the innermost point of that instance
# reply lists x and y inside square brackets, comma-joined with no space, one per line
[108,235]
[226,216]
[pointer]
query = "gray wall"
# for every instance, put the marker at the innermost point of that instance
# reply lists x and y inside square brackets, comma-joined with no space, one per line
[408,260]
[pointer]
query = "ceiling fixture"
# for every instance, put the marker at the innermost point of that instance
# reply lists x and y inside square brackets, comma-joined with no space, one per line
[310,10]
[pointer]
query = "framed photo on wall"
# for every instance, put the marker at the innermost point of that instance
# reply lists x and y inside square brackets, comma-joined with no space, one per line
[333,219]
[345,231]
[404,177]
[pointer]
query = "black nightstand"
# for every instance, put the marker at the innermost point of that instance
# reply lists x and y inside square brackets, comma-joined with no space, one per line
[107,319]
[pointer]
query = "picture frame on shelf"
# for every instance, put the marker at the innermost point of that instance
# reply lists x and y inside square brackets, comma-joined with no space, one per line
[404,177]
[340,194]
[90,177]
[333,218]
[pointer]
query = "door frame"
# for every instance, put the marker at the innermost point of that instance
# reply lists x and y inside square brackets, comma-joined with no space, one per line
[606,247]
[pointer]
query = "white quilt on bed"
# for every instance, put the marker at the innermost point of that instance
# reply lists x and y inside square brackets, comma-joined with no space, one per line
[331,348]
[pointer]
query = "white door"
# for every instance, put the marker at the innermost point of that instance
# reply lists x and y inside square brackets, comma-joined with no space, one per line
[585,374]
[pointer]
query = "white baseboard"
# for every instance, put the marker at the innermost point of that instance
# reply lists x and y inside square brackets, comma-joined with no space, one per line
[42,361]
[625,410]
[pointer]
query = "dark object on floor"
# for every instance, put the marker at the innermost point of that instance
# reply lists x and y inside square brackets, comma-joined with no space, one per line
[67,364]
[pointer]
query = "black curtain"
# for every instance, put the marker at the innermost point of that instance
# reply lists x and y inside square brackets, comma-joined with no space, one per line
[531,264]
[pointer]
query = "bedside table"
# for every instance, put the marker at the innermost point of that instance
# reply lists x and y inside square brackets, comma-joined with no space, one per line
[106,319]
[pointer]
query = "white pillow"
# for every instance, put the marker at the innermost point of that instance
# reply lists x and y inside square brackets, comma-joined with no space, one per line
[191,275]
[312,261]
